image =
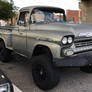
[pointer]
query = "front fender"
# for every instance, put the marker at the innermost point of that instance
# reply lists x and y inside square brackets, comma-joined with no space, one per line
[54,48]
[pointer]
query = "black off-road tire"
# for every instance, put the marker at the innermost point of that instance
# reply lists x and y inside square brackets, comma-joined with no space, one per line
[45,75]
[87,69]
[2,45]
[5,54]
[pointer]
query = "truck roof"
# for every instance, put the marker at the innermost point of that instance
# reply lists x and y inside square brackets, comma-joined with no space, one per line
[30,8]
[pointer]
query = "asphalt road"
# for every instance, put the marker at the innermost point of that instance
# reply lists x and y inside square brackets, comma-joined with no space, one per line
[72,79]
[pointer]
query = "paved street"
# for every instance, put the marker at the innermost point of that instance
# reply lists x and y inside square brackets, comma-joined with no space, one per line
[72,79]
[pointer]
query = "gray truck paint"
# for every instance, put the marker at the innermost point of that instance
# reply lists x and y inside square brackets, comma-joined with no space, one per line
[24,39]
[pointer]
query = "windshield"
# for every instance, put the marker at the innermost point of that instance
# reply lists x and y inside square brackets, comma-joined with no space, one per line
[39,16]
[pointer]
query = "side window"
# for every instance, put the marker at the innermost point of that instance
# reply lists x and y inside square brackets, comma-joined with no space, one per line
[37,16]
[23,18]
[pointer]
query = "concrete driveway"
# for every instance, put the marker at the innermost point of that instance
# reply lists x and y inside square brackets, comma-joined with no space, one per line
[72,79]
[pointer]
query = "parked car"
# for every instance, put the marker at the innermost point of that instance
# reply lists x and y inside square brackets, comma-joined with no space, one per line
[43,35]
[5,83]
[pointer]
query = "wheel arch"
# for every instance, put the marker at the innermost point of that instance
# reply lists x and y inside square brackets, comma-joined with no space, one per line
[41,49]
[1,39]
[54,48]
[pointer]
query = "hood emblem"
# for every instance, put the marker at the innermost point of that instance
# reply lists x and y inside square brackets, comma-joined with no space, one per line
[87,34]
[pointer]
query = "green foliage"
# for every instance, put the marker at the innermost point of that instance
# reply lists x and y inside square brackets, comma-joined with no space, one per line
[6,10]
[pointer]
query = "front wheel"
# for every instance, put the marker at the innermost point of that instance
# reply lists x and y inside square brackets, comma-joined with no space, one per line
[87,69]
[45,75]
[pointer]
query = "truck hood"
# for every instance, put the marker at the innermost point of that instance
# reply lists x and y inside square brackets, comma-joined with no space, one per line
[81,30]
[78,30]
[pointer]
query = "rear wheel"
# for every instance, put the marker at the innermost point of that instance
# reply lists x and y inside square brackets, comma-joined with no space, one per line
[2,45]
[87,69]
[45,74]
[5,54]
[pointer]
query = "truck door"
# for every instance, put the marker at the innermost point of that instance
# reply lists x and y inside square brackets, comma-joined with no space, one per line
[20,34]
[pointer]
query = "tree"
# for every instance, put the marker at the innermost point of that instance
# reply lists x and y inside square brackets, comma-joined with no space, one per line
[6,11]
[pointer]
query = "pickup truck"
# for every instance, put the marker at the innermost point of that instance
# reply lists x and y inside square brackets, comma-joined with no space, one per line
[43,35]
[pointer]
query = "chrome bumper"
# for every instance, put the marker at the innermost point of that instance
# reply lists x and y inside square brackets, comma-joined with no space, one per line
[71,51]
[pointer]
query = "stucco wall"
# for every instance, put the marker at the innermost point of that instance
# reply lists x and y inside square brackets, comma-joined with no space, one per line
[86,7]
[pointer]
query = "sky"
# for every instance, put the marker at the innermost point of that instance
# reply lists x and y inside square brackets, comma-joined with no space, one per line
[65,4]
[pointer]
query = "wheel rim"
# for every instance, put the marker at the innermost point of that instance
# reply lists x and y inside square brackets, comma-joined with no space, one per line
[41,72]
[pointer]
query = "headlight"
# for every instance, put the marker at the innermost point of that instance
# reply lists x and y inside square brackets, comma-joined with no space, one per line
[64,40]
[5,88]
[70,40]
[67,40]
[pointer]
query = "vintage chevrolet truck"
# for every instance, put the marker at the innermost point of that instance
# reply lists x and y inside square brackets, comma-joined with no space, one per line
[43,35]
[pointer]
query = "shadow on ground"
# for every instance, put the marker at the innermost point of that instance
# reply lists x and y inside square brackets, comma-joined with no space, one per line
[72,79]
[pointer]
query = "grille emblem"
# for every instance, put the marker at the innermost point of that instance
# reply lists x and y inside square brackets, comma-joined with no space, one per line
[87,34]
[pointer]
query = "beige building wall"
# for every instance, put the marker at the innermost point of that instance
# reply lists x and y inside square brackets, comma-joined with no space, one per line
[86,7]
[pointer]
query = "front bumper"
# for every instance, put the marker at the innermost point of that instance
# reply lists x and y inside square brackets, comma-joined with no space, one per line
[74,50]
[77,60]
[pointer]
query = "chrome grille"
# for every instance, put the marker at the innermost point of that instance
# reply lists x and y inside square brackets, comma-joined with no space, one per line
[82,43]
